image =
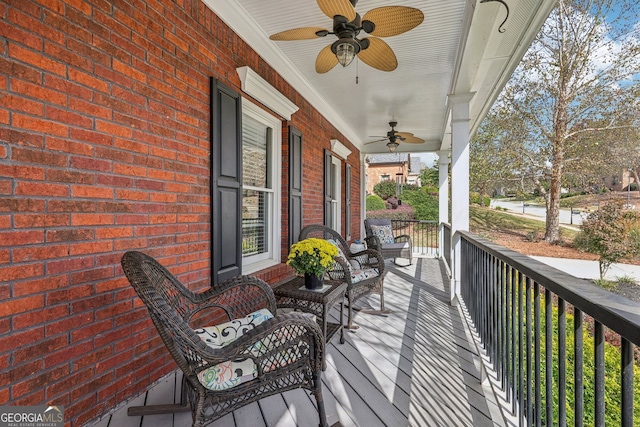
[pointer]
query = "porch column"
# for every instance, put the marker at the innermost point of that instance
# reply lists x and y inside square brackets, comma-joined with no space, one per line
[443,191]
[459,105]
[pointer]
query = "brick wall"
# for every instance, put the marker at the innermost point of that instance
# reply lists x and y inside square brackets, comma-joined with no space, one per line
[104,148]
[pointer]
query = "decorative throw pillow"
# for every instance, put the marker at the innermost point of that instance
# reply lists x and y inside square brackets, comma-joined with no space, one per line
[384,233]
[340,254]
[229,374]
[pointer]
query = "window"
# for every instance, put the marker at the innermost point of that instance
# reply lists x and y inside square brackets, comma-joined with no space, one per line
[385,177]
[261,146]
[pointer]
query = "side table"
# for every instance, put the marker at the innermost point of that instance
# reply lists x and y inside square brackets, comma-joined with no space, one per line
[293,294]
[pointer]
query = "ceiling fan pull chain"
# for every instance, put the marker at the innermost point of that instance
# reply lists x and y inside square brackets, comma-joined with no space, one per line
[357,70]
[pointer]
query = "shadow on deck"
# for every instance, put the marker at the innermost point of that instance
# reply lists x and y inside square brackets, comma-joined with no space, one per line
[416,367]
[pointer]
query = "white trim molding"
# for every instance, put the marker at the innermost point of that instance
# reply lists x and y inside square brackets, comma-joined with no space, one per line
[261,90]
[340,149]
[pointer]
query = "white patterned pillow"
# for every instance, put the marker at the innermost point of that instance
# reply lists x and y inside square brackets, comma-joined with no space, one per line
[229,374]
[341,254]
[360,275]
[384,233]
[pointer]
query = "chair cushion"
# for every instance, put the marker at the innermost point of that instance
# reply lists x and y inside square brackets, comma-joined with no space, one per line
[228,374]
[384,233]
[365,273]
[351,263]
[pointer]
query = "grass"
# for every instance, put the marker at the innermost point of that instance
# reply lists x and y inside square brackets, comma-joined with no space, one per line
[484,220]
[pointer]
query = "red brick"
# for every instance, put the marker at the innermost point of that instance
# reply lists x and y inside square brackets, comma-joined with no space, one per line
[70,264]
[36,90]
[93,329]
[41,220]
[21,338]
[39,381]
[113,232]
[15,272]
[91,275]
[91,192]
[111,285]
[39,125]
[37,253]
[39,285]
[91,219]
[66,354]
[38,317]
[69,235]
[42,189]
[40,349]
[69,323]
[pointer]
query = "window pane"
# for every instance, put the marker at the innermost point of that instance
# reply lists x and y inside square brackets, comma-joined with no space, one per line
[256,152]
[255,220]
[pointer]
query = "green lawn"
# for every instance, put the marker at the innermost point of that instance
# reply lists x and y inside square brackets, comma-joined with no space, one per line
[483,221]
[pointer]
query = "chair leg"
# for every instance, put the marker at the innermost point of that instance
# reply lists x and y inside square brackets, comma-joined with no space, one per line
[350,324]
[322,414]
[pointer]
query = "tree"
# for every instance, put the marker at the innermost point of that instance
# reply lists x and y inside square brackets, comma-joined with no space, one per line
[611,232]
[429,177]
[574,91]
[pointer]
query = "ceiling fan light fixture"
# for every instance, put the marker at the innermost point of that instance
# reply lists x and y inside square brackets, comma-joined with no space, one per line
[392,146]
[346,49]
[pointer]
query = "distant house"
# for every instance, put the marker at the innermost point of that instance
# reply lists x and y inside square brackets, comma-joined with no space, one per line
[620,181]
[400,168]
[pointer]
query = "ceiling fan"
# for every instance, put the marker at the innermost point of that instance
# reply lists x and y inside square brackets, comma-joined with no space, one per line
[394,137]
[380,22]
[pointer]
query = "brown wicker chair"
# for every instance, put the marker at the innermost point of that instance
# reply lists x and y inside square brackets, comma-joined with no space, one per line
[401,247]
[286,349]
[368,259]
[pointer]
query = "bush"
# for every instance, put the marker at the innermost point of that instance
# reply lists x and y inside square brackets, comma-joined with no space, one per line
[478,199]
[374,203]
[403,212]
[424,205]
[385,189]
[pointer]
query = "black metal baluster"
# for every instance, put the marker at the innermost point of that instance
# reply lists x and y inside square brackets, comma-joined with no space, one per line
[562,364]
[548,353]
[599,373]
[529,397]
[627,383]
[536,358]
[578,368]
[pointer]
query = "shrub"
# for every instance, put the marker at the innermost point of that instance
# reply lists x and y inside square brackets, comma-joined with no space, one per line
[424,205]
[385,189]
[374,203]
[403,212]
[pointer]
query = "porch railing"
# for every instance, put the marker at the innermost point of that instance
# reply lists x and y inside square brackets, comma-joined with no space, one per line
[560,346]
[424,235]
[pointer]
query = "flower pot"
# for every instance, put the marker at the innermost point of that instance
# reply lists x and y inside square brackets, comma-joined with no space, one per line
[312,282]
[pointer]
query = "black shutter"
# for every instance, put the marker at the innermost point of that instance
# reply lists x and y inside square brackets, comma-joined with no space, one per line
[328,187]
[347,201]
[295,184]
[226,182]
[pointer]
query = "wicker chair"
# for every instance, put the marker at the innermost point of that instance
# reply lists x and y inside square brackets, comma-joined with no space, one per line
[399,246]
[286,350]
[347,266]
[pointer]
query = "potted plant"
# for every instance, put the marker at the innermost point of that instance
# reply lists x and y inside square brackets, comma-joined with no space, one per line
[312,257]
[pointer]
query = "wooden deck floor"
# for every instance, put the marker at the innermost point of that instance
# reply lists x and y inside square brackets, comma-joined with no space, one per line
[416,367]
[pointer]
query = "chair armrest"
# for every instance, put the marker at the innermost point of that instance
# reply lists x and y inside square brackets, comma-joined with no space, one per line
[339,271]
[402,238]
[237,296]
[373,242]
[371,258]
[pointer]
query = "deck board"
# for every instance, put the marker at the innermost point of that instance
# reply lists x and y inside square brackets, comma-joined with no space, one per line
[418,366]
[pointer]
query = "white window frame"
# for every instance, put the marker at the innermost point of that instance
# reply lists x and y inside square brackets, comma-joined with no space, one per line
[271,256]
[336,202]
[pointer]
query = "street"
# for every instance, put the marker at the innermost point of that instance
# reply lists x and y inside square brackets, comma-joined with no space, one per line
[539,211]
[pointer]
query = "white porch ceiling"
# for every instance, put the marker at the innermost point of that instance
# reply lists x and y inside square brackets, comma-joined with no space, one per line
[456,50]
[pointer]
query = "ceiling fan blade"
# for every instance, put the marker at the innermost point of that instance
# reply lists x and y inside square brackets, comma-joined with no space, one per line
[326,60]
[393,20]
[304,33]
[378,55]
[408,137]
[373,142]
[332,8]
